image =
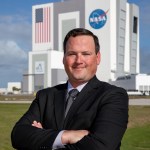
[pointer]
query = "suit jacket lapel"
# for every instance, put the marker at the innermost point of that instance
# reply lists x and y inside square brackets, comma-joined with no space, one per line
[83,96]
[59,103]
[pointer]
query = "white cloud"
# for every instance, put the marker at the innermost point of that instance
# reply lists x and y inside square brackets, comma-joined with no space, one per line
[16,28]
[15,42]
[11,53]
[13,62]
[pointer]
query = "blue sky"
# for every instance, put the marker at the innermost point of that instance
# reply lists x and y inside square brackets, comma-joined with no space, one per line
[16,34]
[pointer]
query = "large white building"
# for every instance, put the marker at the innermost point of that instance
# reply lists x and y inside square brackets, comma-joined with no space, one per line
[115,22]
[134,84]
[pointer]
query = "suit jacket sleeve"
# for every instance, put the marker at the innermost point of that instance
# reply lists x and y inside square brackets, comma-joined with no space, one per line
[25,136]
[109,124]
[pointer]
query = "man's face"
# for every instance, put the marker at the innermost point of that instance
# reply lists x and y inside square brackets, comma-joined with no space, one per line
[80,60]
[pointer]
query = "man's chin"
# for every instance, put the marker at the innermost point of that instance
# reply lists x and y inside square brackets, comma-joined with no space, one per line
[79,79]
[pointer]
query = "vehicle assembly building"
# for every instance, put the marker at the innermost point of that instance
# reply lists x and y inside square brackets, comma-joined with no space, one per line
[115,22]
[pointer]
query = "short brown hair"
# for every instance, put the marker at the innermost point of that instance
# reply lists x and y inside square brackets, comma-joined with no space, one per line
[81,31]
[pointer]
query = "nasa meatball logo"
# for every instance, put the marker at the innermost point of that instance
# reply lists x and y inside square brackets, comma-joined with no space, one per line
[98,18]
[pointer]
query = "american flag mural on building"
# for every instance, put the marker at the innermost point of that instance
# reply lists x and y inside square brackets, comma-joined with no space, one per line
[42,25]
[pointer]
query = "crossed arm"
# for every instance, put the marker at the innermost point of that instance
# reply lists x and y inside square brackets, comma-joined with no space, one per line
[68,136]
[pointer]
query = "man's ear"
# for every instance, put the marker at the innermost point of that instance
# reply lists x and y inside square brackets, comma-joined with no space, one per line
[98,58]
[63,60]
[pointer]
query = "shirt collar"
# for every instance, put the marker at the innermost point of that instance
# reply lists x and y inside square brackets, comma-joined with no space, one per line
[79,88]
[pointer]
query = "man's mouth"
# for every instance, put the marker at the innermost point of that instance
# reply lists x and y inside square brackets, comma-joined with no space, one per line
[78,68]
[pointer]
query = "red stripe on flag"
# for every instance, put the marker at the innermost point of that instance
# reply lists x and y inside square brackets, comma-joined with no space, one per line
[42,29]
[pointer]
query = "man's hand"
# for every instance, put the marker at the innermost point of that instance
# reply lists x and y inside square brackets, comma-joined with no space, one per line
[68,136]
[73,136]
[37,124]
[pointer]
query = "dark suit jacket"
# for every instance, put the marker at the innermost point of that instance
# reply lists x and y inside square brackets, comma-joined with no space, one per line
[100,108]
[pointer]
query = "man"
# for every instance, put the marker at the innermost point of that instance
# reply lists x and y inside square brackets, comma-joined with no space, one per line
[98,116]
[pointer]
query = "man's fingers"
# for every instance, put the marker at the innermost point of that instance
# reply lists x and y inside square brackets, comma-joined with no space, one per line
[37,124]
[73,136]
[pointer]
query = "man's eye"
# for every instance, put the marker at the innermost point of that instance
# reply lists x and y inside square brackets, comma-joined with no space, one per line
[71,54]
[86,54]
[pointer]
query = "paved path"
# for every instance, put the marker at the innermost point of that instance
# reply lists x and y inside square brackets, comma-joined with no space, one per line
[139,102]
[15,102]
[131,102]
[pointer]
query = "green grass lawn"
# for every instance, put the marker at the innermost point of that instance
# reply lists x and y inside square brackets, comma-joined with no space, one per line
[9,114]
[137,136]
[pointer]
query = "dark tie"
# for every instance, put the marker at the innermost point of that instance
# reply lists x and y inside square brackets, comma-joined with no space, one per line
[72,95]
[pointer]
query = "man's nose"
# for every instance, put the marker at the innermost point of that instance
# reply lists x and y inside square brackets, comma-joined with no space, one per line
[78,58]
